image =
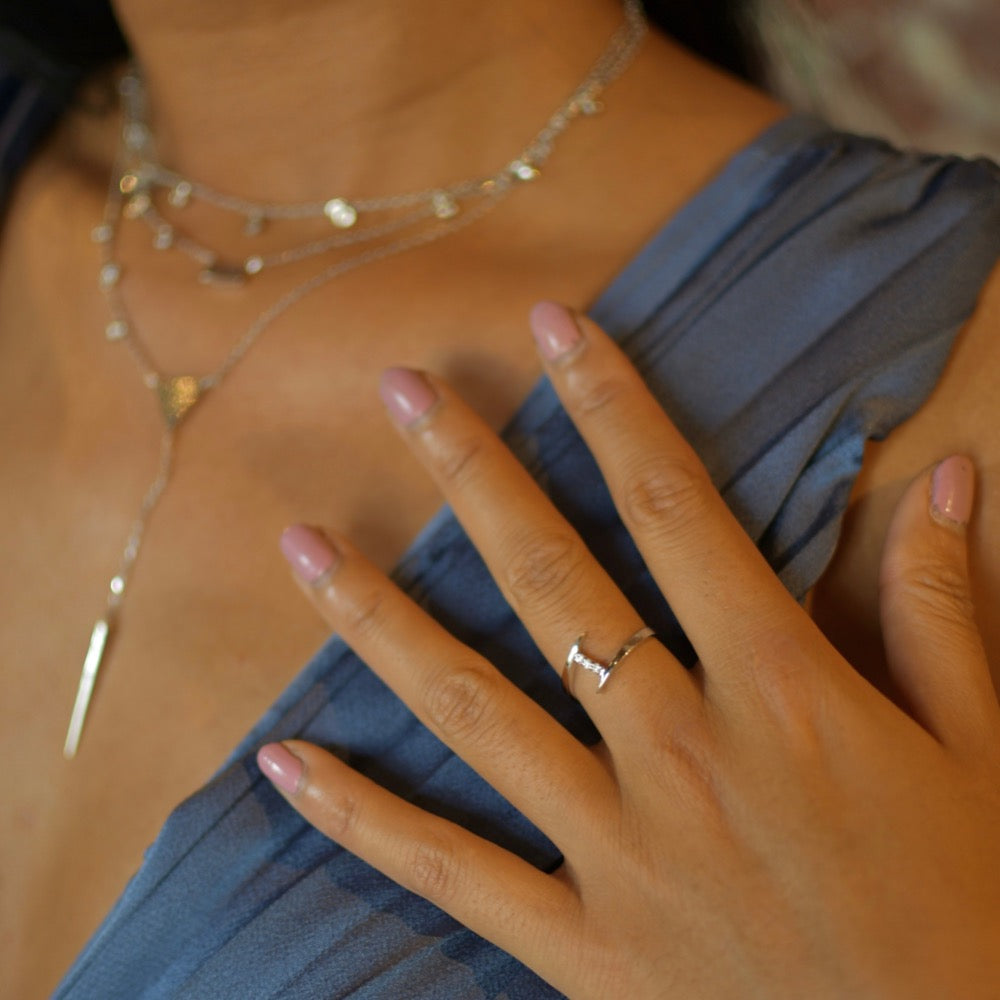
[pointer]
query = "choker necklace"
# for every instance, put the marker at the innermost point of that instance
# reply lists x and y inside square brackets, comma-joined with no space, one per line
[377,228]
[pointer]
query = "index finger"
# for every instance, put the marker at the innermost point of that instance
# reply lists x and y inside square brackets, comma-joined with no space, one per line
[717,583]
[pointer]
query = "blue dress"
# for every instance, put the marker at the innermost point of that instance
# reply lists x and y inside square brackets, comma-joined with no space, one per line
[803,302]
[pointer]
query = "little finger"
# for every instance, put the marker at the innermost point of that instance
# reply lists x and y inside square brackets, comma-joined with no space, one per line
[488,889]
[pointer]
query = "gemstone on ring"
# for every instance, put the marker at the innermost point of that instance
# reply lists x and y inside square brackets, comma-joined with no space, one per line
[576,657]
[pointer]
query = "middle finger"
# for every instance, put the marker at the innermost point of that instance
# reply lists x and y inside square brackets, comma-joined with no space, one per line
[540,563]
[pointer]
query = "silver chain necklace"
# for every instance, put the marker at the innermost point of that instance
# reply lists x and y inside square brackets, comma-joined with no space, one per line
[427,216]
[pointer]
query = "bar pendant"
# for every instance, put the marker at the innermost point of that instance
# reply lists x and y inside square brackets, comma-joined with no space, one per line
[88,676]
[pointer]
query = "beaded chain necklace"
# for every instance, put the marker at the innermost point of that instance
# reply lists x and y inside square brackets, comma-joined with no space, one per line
[377,228]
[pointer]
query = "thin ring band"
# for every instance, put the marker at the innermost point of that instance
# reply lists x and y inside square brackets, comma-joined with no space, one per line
[603,670]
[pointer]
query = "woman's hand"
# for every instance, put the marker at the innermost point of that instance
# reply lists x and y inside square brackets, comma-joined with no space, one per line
[764,825]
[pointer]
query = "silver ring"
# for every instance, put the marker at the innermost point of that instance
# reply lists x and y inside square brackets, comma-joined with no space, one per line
[576,657]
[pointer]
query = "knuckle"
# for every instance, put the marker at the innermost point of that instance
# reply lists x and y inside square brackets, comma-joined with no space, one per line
[434,870]
[459,462]
[457,703]
[541,566]
[665,490]
[687,748]
[938,593]
[340,813]
[597,395]
[363,615]
[787,682]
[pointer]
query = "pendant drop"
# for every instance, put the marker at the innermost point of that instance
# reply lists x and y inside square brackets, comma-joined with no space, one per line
[523,170]
[444,205]
[180,194]
[163,238]
[341,213]
[177,395]
[137,206]
[88,677]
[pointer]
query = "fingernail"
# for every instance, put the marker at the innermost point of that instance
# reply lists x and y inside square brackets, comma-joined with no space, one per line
[281,766]
[555,330]
[952,490]
[309,554]
[407,395]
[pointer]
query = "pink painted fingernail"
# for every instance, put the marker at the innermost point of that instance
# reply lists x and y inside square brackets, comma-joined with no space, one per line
[308,552]
[555,329]
[407,394]
[281,766]
[953,489]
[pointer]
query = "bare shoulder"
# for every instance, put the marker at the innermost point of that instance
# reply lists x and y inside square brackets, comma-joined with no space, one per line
[959,417]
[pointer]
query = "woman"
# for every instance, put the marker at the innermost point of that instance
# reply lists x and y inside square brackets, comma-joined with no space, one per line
[296,434]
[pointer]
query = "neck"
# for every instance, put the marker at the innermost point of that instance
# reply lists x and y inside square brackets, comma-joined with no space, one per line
[294,99]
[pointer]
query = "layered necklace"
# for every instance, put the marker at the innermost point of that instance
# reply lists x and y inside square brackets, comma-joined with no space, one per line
[360,231]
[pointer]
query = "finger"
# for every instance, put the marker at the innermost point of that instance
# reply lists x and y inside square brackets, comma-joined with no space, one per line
[491,891]
[717,583]
[934,649]
[544,569]
[498,730]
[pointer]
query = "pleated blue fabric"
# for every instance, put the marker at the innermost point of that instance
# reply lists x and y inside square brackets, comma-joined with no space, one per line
[804,302]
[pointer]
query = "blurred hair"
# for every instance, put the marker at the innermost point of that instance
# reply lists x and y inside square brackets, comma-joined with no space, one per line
[78,33]
[714,29]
